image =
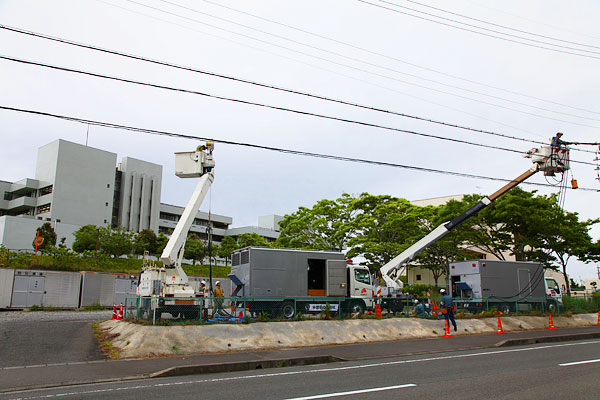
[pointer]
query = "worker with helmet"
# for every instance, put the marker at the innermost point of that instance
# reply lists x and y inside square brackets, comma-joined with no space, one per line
[447,305]
[218,299]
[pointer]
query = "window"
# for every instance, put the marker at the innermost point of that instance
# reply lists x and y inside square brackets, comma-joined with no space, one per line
[8,196]
[362,276]
[43,208]
[418,277]
[107,204]
[45,190]
[168,216]
[108,185]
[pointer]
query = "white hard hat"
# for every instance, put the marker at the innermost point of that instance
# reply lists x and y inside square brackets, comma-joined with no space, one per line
[442,290]
[203,282]
[217,282]
[416,301]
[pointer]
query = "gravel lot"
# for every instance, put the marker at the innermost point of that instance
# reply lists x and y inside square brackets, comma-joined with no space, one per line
[39,338]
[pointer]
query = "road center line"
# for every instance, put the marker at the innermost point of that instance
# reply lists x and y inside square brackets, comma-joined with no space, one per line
[379,389]
[310,371]
[579,362]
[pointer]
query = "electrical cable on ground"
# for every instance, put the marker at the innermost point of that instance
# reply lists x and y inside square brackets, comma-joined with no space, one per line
[270,148]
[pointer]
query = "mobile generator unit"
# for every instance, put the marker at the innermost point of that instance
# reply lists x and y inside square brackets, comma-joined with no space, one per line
[507,286]
[281,282]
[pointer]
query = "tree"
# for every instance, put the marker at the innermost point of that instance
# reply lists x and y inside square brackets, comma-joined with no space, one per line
[383,227]
[322,227]
[251,239]
[115,241]
[145,240]
[161,243]
[228,244]
[86,238]
[47,232]
[195,249]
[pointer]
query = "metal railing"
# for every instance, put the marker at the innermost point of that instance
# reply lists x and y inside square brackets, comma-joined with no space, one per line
[172,310]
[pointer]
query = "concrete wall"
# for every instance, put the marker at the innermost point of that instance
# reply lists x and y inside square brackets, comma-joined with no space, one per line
[83,180]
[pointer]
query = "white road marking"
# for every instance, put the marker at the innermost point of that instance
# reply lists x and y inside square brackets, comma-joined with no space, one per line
[579,362]
[379,389]
[311,371]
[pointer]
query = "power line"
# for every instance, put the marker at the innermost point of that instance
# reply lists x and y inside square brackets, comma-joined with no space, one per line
[268,86]
[251,103]
[483,33]
[366,63]
[394,58]
[270,148]
[502,26]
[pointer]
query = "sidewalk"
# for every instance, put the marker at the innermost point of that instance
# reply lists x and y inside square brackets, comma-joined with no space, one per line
[16,378]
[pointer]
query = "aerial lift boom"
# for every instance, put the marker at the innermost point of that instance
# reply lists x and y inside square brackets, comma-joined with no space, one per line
[549,160]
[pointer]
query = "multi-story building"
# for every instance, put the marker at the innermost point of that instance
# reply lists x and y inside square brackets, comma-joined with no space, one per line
[77,185]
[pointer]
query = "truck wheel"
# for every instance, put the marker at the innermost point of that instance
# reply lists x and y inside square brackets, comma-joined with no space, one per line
[504,308]
[357,307]
[551,307]
[287,310]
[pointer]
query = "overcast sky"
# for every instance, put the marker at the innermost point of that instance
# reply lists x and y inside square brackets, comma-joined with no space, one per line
[371,53]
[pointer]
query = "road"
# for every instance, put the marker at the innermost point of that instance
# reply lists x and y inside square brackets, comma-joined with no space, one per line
[33,338]
[524,372]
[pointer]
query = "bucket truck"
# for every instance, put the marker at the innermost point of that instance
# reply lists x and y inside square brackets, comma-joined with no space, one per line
[549,160]
[167,285]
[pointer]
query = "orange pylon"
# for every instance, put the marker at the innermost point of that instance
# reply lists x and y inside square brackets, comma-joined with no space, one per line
[115,316]
[120,315]
[377,310]
[598,324]
[500,331]
[551,324]
[434,309]
[447,331]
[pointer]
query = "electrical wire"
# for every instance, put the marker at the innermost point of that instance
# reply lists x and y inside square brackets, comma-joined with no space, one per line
[394,58]
[270,148]
[559,50]
[502,26]
[268,86]
[360,61]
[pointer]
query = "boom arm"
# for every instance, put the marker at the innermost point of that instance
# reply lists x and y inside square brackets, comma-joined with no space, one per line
[188,165]
[544,159]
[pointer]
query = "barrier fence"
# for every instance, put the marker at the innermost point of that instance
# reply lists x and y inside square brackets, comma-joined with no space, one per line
[171,310]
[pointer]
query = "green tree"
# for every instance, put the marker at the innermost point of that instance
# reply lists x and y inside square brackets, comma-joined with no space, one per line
[325,226]
[47,232]
[228,244]
[145,240]
[86,238]
[195,249]
[115,241]
[251,239]
[383,227]
[161,243]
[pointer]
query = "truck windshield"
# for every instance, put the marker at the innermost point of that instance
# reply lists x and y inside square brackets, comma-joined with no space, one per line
[362,276]
[552,285]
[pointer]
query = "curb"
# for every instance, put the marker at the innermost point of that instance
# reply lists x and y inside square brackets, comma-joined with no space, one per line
[548,339]
[243,366]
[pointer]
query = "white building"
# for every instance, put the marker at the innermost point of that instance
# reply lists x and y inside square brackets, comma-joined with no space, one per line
[76,185]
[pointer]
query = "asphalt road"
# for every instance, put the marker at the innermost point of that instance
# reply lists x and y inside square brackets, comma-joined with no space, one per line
[524,372]
[34,338]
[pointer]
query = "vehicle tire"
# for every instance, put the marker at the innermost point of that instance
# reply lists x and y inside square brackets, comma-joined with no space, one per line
[288,310]
[357,307]
[551,307]
[504,308]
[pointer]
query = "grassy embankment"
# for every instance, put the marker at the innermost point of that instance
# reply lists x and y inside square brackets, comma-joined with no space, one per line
[75,263]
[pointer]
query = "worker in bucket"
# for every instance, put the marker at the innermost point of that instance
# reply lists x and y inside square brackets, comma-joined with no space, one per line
[218,299]
[447,305]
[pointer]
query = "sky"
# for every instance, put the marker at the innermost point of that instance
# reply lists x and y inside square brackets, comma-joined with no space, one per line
[513,72]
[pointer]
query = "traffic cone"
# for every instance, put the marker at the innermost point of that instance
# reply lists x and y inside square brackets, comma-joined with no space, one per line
[447,331]
[115,316]
[500,331]
[377,310]
[434,310]
[598,324]
[120,315]
[551,324]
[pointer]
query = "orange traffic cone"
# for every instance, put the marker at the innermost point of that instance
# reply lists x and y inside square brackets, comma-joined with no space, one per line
[598,324]
[434,309]
[120,315]
[447,331]
[377,310]
[500,331]
[115,316]
[551,324]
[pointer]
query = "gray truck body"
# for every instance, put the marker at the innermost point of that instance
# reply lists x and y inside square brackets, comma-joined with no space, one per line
[262,272]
